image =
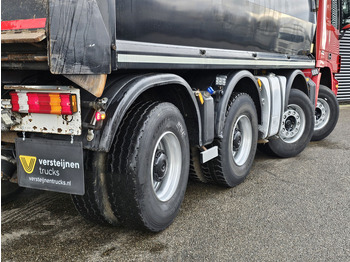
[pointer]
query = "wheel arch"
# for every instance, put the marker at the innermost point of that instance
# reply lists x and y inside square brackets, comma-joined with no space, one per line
[123,92]
[241,81]
[326,77]
[295,80]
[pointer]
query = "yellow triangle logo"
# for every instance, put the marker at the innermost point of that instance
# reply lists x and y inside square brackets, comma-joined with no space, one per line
[28,163]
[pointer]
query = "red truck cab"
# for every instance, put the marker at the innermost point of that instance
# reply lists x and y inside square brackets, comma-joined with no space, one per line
[327,43]
[331,20]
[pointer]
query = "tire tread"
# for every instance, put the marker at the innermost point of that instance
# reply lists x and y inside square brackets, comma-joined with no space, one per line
[124,200]
[87,205]
[213,170]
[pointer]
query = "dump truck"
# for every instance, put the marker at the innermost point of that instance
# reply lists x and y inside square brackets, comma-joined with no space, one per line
[118,102]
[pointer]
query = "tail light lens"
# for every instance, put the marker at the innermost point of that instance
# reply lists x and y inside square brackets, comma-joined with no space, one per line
[44,103]
[339,64]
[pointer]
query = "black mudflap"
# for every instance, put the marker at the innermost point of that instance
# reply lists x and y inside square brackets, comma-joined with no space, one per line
[50,165]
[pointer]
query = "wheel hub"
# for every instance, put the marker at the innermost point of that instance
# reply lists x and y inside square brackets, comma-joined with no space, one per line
[166,166]
[322,113]
[241,140]
[237,140]
[160,165]
[293,124]
[318,113]
[290,124]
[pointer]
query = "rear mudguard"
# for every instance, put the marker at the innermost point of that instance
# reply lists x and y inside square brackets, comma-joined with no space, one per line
[232,81]
[121,93]
[296,79]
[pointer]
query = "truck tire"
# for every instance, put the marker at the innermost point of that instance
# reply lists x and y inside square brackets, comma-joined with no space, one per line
[196,172]
[237,147]
[149,166]
[9,190]
[296,128]
[326,112]
[94,205]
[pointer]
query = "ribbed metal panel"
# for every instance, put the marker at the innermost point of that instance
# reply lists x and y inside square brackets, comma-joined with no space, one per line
[344,76]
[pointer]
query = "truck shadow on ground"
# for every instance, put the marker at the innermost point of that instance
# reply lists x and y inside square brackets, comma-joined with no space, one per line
[37,221]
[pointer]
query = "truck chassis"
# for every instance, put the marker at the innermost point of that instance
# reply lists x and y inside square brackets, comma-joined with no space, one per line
[119,112]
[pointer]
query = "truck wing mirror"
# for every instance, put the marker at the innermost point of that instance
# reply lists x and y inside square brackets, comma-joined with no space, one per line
[343,30]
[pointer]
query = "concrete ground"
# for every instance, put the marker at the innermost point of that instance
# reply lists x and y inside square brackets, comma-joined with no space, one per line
[295,209]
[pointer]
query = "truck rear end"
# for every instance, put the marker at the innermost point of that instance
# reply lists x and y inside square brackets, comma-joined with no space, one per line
[36,102]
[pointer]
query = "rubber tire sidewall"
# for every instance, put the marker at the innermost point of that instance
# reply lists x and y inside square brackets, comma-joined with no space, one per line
[327,94]
[235,174]
[94,205]
[283,149]
[9,190]
[156,214]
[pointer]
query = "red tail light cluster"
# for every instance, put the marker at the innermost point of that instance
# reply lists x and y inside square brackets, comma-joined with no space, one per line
[44,103]
[339,64]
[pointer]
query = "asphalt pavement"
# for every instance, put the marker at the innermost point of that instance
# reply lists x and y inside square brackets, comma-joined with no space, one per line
[295,209]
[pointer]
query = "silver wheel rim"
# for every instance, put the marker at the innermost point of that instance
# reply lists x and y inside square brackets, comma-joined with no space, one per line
[166,166]
[293,124]
[241,140]
[322,114]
